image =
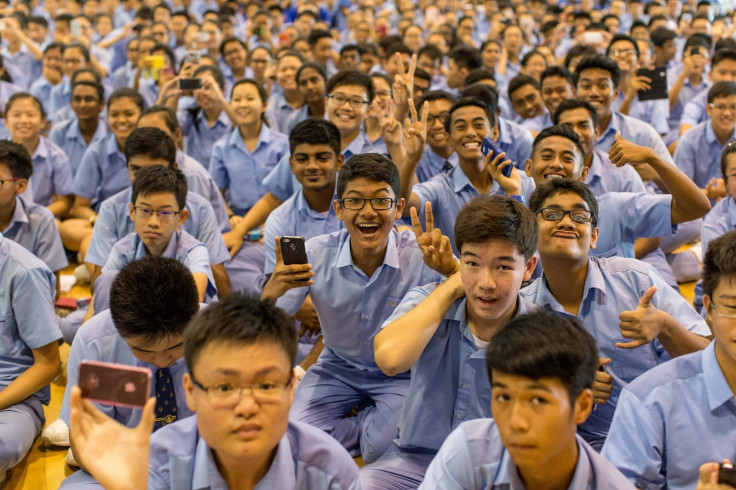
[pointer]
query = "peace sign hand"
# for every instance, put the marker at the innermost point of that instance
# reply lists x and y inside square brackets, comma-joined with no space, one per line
[434,245]
[415,133]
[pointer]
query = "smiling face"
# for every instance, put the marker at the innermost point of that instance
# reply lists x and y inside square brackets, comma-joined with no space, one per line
[536,420]
[527,102]
[315,166]
[249,430]
[565,239]
[595,86]
[155,232]
[162,353]
[234,55]
[437,137]
[624,54]
[492,273]
[369,228]
[311,85]
[580,121]
[722,113]
[24,120]
[723,301]
[247,104]
[347,118]
[554,90]
[122,116]
[724,71]
[468,126]
[555,156]
[286,72]
[86,103]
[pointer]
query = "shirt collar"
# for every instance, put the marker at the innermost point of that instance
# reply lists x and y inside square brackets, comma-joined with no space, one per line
[169,252]
[459,180]
[205,475]
[596,165]
[282,472]
[345,256]
[593,280]
[221,118]
[716,386]
[19,214]
[732,211]
[710,135]
[264,137]
[111,145]
[613,126]
[42,150]
[437,162]
[302,206]
[356,146]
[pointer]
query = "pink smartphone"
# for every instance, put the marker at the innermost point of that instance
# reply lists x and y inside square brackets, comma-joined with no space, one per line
[114,384]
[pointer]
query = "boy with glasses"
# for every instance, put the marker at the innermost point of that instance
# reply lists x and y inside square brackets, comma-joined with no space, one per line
[439,156]
[655,323]
[681,415]
[240,435]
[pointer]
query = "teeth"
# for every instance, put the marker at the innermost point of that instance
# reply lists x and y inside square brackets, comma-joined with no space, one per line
[472,145]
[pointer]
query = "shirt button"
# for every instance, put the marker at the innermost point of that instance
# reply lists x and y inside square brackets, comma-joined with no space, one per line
[465,386]
[458,416]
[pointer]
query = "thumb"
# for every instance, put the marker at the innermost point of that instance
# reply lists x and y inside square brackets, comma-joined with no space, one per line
[618,135]
[646,299]
[147,417]
[279,258]
[604,361]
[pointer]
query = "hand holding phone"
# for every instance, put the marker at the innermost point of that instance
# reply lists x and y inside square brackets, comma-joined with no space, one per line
[189,83]
[488,146]
[114,384]
[657,85]
[291,270]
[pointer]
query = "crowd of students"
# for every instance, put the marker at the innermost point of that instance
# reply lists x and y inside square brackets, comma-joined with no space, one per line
[465,318]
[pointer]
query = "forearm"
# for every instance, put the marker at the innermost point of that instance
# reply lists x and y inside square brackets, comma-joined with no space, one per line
[407,167]
[60,206]
[626,104]
[101,70]
[222,280]
[674,93]
[645,246]
[258,214]
[35,51]
[398,345]
[201,280]
[688,202]
[45,367]
[677,340]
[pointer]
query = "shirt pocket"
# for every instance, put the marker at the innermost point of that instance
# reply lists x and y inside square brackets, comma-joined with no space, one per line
[8,335]
[630,363]
[389,307]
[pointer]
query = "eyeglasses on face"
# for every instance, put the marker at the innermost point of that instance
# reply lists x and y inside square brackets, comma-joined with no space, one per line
[357,203]
[339,99]
[225,395]
[163,214]
[557,214]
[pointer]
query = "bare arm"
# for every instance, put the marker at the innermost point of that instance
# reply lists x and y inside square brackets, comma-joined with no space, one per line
[254,218]
[60,205]
[82,208]
[45,367]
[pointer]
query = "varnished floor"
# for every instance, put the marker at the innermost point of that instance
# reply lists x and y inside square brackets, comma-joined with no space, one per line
[44,468]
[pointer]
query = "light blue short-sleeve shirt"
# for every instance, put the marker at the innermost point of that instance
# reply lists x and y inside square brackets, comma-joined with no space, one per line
[52,173]
[103,171]
[199,135]
[603,176]
[720,220]
[633,130]
[698,154]
[67,136]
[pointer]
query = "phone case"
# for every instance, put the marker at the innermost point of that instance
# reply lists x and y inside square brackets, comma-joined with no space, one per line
[487,146]
[293,250]
[114,384]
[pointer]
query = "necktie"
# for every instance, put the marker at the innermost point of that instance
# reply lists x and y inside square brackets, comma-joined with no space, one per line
[447,166]
[165,399]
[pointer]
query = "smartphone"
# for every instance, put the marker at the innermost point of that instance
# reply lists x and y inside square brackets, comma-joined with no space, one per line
[592,37]
[293,251]
[658,87]
[114,384]
[189,83]
[192,57]
[694,50]
[204,37]
[727,474]
[75,28]
[488,146]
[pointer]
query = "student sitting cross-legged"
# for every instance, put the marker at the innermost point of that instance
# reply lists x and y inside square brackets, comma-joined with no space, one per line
[240,435]
[541,368]
[440,332]
[151,302]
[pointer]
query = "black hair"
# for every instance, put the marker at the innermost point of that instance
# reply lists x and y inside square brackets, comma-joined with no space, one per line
[239,319]
[126,93]
[17,159]
[544,344]
[487,93]
[729,149]
[465,57]
[261,91]
[554,187]
[21,96]
[497,218]
[144,13]
[37,19]
[471,101]
[349,47]
[52,46]
[520,81]
[315,132]
[372,166]
[166,113]
[156,179]
[431,95]
[571,104]
[229,40]
[97,86]
[528,56]
[557,71]
[81,71]
[699,39]
[213,70]
[394,48]
[153,298]
[352,77]
[576,51]
[477,75]
[661,35]
[719,261]
[151,142]
[316,35]
[432,51]
[623,37]
[721,89]
[601,62]
[721,55]
[82,49]
[321,71]
[419,73]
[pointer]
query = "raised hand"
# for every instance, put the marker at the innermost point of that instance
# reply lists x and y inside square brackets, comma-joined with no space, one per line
[512,184]
[603,384]
[285,277]
[403,86]
[435,246]
[415,131]
[390,127]
[641,325]
[623,152]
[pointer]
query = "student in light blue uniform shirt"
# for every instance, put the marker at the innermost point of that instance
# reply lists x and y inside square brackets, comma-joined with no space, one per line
[698,154]
[722,69]
[282,104]
[151,302]
[360,275]
[542,368]
[51,181]
[311,80]
[692,82]
[440,332]
[239,168]
[597,79]
[439,156]
[682,414]
[183,455]
[75,57]
[29,353]
[88,103]
[7,89]
[655,323]
[722,218]
[469,121]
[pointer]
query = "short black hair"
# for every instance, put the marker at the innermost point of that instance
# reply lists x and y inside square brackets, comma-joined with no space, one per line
[52,46]
[465,57]
[316,35]
[17,159]
[82,49]
[315,132]
[97,86]
[431,95]
[528,56]
[553,187]
[166,113]
[126,93]
[156,179]
[399,47]
[477,75]
[557,71]
[21,96]
[699,39]
[544,344]
[239,319]
[349,47]
[719,261]
[623,37]
[419,73]
[485,92]
[661,35]
[153,298]
[721,89]
[571,104]
[729,149]
[432,51]
[352,77]
[726,43]
[601,62]
[315,66]
[471,101]
[213,70]
[151,142]
[576,51]
[721,55]
[520,81]
[497,218]
[372,166]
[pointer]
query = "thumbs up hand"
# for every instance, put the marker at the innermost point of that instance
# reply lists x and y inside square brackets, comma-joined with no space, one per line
[623,152]
[641,325]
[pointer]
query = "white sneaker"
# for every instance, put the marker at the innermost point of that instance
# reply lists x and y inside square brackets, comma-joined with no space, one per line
[70,459]
[82,274]
[56,434]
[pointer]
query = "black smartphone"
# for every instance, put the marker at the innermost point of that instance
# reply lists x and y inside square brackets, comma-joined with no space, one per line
[658,86]
[694,50]
[293,251]
[114,384]
[189,83]
[727,474]
[487,146]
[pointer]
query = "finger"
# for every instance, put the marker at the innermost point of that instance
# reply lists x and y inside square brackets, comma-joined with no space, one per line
[428,216]
[709,472]
[425,113]
[646,299]
[279,258]
[631,345]
[445,246]
[415,222]
[412,67]
[145,426]
[604,361]
[400,64]
[413,110]
[618,136]
[626,316]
